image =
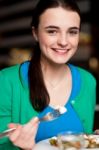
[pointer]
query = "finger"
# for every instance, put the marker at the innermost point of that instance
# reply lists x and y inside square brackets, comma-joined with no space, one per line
[12,125]
[29,130]
[32,123]
[15,134]
[32,133]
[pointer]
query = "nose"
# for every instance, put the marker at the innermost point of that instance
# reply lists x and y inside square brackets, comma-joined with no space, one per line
[62,40]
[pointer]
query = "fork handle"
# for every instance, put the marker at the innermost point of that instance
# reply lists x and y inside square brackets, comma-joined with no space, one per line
[5,133]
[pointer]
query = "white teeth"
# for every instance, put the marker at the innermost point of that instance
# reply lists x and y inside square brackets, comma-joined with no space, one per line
[60,49]
[61,52]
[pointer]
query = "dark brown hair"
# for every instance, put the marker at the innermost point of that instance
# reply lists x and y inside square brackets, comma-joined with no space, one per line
[38,93]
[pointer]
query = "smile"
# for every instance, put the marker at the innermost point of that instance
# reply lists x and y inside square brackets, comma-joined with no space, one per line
[61,50]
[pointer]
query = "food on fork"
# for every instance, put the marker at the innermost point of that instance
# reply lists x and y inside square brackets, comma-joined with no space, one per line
[57,112]
[61,109]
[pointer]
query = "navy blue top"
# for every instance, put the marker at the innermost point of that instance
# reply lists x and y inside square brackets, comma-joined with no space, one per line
[69,121]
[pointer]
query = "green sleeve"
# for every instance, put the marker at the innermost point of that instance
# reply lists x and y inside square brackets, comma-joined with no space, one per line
[86,101]
[5,110]
[90,96]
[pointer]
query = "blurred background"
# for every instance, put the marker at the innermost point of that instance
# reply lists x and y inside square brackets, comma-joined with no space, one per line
[16,37]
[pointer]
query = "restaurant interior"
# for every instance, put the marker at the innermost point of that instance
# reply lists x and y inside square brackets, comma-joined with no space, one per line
[16,37]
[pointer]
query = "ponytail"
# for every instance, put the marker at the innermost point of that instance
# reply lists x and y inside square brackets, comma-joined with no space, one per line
[39,96]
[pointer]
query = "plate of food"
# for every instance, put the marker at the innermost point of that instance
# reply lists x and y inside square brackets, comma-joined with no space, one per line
[75,141]
[71,142]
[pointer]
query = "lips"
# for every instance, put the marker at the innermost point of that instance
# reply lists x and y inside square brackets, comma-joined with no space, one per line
[60,51]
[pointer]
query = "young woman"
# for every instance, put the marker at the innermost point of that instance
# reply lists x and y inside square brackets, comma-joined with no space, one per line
[32,89]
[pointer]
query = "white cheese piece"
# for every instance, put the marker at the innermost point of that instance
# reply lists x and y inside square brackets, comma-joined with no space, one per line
[61,109]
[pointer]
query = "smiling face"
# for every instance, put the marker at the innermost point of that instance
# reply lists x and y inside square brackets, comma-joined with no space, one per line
[58,34]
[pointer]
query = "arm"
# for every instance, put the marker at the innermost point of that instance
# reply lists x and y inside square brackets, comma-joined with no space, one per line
[22,134]
[15,139]
[5,110]
[86,101]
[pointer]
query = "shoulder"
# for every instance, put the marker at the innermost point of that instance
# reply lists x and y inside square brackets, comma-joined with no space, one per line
[14,70]
[9,75]
[10,70]
[85,75]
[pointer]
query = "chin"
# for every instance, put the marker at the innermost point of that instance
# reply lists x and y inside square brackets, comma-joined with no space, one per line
[59,62]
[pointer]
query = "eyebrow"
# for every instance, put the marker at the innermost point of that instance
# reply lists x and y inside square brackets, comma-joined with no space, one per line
[74,28]
[51,26]
[56,27]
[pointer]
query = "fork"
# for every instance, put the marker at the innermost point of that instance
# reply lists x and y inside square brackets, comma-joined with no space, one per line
[51,115]
[58,111]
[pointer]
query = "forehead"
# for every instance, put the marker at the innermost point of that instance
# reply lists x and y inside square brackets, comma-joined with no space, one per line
[59,17]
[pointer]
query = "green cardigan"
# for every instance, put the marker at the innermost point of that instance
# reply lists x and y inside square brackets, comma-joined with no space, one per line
[15,105]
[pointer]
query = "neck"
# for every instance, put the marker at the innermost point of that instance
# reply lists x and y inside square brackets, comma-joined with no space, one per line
[53,74]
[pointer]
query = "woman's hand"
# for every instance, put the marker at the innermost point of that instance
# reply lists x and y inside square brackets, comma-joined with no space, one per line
[24,136]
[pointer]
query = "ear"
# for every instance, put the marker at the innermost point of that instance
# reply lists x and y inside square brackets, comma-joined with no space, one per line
[34,33]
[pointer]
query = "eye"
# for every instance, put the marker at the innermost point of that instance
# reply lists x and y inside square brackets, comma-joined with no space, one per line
[74,32]
[52,32]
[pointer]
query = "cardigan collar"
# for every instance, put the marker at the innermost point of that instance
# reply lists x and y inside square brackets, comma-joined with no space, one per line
[24,73]
[74,71]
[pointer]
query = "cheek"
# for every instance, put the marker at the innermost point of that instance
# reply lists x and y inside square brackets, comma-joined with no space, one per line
[46,41]
[75,42]
[42,39]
